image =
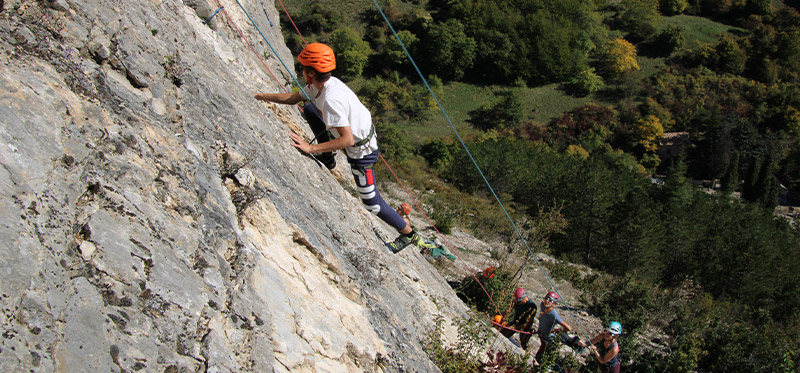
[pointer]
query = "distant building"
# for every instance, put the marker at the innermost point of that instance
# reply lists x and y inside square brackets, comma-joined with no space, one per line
[672,144]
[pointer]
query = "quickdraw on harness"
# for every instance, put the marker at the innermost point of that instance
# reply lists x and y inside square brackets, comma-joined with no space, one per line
[369,137]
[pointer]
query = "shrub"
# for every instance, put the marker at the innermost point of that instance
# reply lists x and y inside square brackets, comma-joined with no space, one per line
[352,52]
[504,113]
[499,287]
[394,143]
[447,358]
[673,7]
[670,39]
[438,154]
[444,221]
[729,57]
[619,57]
[586,82]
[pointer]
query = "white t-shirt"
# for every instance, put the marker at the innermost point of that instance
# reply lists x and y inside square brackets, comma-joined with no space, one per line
[340,107]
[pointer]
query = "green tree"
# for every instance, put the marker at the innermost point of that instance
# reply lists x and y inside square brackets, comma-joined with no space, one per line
[394,143]
[394,56]
[730,181]
[553,55]
[673,7]
[448,50]
[730,58]
[352,52]
[714,146]
[395,98]
[495,55]
[759,7]
[504,113]
[670,39]
[586,82]
[319,19]
[639,17]
[761,186]
[438,153]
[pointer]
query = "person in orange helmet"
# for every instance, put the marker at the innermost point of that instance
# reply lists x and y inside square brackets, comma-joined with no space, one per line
[334,106]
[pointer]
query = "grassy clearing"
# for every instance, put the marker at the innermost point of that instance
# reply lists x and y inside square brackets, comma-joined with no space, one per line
[542,105]
[549,102]
[458,99]
[700,29]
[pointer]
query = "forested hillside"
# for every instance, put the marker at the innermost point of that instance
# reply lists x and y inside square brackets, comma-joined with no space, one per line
[713,268]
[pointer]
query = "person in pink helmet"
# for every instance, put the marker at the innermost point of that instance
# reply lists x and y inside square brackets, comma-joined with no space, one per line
[548,322]
[524,317]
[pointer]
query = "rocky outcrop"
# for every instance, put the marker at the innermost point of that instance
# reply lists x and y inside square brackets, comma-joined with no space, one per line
[155,218]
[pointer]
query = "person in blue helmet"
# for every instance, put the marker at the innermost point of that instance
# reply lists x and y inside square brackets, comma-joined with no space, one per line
[335,107]
[605,347]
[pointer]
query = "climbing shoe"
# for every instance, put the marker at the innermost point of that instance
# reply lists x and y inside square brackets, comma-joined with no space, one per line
[571,341]
[417,240]
[402,241]
[328,160]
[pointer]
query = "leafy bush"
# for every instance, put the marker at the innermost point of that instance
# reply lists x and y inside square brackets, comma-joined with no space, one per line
[448,359]
[586,82]
[351,51]
[499,287]
[449,52]
[730,57]
[396,98]
[438,153]
[586,120]
[673,7]
[669,39]
[444,222]
[394,144]
[504,113]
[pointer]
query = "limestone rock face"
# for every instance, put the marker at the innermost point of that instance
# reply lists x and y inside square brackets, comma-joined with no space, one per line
[155,218]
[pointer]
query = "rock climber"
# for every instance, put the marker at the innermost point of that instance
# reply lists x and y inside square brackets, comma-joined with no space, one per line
[548,320]
[523,318]
[334,106]
[605,347]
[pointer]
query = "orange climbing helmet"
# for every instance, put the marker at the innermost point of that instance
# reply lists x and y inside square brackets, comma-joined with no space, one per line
[319,56]
[498,318]
[405,208]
